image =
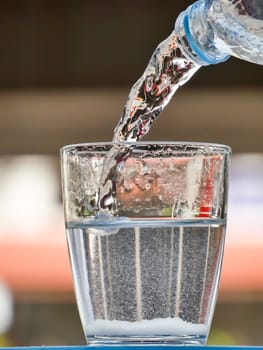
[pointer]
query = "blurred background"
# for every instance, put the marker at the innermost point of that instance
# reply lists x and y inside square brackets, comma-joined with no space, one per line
[65,72]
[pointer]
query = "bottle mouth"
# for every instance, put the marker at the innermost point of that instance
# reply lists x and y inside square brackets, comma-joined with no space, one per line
[203,56]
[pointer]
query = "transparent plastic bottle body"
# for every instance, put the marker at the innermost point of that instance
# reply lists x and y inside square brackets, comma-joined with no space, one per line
[215,29]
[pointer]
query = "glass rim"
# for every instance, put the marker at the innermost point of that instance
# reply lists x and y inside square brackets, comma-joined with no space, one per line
[212,147]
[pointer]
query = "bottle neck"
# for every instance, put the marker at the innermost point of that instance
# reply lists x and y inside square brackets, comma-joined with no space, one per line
[197,36]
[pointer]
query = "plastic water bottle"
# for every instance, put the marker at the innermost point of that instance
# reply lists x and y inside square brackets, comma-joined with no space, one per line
[212,30]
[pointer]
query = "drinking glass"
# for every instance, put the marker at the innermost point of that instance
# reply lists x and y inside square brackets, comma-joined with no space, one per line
[145,229]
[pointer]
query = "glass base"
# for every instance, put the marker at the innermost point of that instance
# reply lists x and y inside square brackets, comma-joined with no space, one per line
[153,340]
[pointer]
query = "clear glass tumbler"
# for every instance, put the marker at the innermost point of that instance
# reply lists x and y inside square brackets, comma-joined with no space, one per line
[145,228]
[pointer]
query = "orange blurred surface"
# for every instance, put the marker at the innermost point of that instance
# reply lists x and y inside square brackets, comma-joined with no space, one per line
[242,269]
[35,260]
[35,267]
